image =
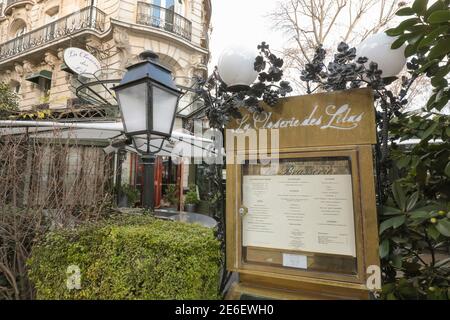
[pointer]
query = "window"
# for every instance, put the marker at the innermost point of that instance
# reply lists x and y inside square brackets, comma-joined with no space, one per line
[21,31]
[170,6]
[176,6]
[51,15]
[18,28]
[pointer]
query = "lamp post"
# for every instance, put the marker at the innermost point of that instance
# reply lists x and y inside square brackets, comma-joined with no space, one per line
[148,99]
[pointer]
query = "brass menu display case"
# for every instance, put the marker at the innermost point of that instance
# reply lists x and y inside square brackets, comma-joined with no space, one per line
[304,226]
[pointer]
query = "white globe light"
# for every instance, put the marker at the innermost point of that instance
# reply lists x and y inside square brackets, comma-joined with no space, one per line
[377,48]
[236,67]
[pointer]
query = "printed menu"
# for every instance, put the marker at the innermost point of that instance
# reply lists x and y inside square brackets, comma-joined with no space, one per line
[300,212]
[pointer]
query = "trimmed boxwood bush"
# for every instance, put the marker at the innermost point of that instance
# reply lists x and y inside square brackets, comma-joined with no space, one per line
[129,257]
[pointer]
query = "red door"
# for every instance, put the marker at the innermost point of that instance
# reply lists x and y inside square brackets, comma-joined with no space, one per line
[139,179]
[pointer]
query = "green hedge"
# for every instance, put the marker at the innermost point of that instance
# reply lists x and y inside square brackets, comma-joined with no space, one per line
[131,257]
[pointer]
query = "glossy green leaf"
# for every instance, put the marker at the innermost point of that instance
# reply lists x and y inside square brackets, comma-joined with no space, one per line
[443,226]
[407,23]
[399,195]
[405,12]
[415,38]
[430,38]
[431,102]
[403,162]
[443,262]
[384,249]
[440,94]
[419,215]
[412,201]
[396,261]
[447,168]
[443,71]
[391,296]
[417,29]
[439,82]
[389,211]
[441,49]
[398,43]
[385,225]
[411,50]
[394,222]
[439,104]
[437,5]
[429,131]
[394,32]
[432,232]
[427,65]
[420,7]
[439,16]
[398,221]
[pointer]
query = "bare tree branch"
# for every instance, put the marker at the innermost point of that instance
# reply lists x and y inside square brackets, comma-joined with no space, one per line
[309,23]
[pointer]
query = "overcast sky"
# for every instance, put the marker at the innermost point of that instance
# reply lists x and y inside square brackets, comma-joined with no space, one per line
[241,21]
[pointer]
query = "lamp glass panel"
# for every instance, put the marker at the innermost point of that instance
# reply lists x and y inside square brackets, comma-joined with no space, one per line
[156,143]
[164,108]
[140,142]
[133,105]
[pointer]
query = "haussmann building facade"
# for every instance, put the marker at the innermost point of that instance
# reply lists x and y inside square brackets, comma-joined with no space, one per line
[35,33]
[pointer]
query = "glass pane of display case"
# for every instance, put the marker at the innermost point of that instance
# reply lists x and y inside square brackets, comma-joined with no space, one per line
[299,214]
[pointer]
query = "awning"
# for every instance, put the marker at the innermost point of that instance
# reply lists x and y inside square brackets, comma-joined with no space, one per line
[180,145]
[44,74]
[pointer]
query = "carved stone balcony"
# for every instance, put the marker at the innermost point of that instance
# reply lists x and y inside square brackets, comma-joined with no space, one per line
[164,19]
[89,18]
[10,4]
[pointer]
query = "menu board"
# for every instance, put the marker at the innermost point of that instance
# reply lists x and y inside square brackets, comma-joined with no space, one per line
[306,206]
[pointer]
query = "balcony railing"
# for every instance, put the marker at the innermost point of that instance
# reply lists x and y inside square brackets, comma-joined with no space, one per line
[85,19]
[162,18]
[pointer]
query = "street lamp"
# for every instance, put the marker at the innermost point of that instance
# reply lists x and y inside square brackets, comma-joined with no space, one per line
[236,67]
[148,99]
[377,48]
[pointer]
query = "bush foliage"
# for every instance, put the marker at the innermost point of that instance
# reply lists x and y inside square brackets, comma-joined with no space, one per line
[415,222]
[129,257]
[426,32]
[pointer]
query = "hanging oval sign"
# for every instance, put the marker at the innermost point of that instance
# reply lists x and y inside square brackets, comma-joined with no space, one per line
[81,62]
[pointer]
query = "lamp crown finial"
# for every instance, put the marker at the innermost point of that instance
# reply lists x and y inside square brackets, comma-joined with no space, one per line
[149,55]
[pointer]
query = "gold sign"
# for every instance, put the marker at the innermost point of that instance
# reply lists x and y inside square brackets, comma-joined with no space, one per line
[325,119]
